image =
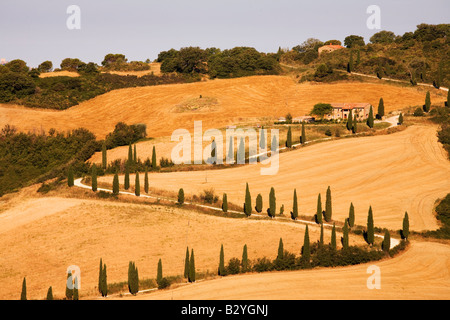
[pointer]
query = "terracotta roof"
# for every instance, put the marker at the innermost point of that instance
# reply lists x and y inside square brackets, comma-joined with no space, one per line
[333,46]
[350,105]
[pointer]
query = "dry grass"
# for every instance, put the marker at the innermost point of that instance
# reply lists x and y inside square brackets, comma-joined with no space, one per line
[240,101]
[63,73]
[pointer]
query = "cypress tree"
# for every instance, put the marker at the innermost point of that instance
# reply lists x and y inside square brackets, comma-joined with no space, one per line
[154,167]
[427,106]
[230,151]
[127,178]
[146,186]
[136,278]
[262,140]
[137,185]
[248,202]
[345,236]
[321,236]
[159,273]
[280,250]
[351,216]
[386,245]
[70,180]
[272,203]
[259,203]
[221,262]
[116,184]
[186,264]
[319,214]
[370,118]
[94,177]
[400,118]
[133,278]
[289,138]
[350,120]
[23,295]
[244,259]
[130,154]
[135,154]
[104,159]
[355,125]
[100,275]
[192,267]
[370,227]
[49,294]
[328,206]
[282,209]
[306,252]
[333,237]
[381,108]
[224,203]
[294,213]
[75,290]
[104,282]
[180,196]
[350,63]
[69,292]
[405,229]
[303,137]
[241,152]
[274,145]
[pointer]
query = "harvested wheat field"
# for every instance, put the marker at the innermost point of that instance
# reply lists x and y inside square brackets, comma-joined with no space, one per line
[62,73]
[234,101]
[422,272]
[155,68]
[404,171]
[53,233]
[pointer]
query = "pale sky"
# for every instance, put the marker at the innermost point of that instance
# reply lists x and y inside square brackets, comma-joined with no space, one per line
[35,30]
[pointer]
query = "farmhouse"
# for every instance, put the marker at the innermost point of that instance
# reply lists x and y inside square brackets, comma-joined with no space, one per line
[342,110]
[329,48]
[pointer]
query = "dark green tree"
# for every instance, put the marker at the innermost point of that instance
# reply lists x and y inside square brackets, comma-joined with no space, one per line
[127,178]
[321,242]
[345,241]
[133,278]
[159,273]
[49,294]
[350,63]
[221,271]
[272,203]
[289,138]
[244,263]
[386,245]
[355,125]
[104,159]
[351,216]
[306,251]
[192,267]
[70,181]
[319,212]
[370,120]
[328,206]
[137,185]
[130,154]
[400,118]
[186,264]
[294,212]
[135,154]
[280,250]
[104,282]
[23,295]
[154,166]
[94,177]
[303,136]
[224,203]
[116,184]
[146,185]
[380,114]
[241,152]
[350,120]
[100,274]
[370,235]
[405,229]
[75,290]
[69,292]
[259,203]
[180,196]
[427,105]
[248,202]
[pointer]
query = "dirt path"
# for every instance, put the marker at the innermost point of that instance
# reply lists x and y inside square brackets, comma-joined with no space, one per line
[422,272]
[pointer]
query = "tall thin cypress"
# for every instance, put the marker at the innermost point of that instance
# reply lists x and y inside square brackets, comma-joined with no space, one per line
[192,267]
[400,119]
[351,216]
[49,294]
[180,196]
[224,203]
[333,237]
[146,185]
[370,120]
[69,292]
[289,138]
[137,185]
[135,154]
[355,125]
[345,241]
[370,227]
[280,250]
[127,178]
[159,272]
[104,159]
[306,252]
[294,212]
[321,243]
[241,152]
[244,262]
[381,108]
[427,106]
[405,229]
[75,290]
[154,166]
[94,177]
[319,214]
[104,282]
[272,203]
[100,273]
[248,202]
[23,294]
[116,184]
[259,203]
[386,245]
[221,262]
[303,136]
[350,120]
[328,206]
[130,154]
[230,156]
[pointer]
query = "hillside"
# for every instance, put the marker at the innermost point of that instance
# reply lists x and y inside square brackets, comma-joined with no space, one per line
[240,100]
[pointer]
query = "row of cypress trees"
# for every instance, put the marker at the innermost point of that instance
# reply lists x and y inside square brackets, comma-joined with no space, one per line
[289,142]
